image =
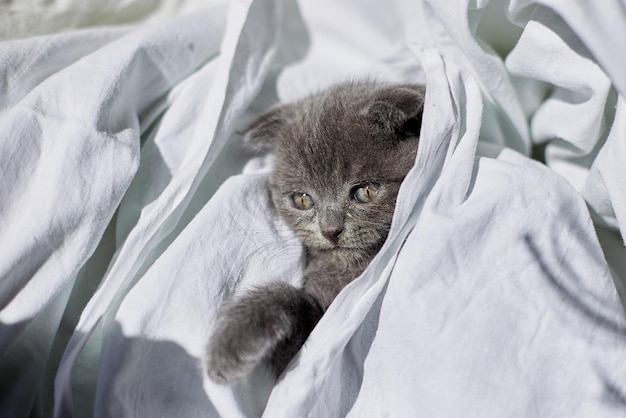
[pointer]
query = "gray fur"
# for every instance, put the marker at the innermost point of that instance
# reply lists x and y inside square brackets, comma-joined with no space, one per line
[326,146]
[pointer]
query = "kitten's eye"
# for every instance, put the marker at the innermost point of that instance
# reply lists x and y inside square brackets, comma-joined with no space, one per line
[365,194]
[302,201]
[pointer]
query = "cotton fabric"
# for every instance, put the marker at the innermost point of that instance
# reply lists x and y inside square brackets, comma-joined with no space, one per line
[129,211]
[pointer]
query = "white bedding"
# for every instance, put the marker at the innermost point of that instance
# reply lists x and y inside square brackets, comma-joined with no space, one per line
[128,212]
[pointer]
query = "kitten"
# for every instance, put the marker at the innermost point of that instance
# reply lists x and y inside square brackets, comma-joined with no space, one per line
[340,158]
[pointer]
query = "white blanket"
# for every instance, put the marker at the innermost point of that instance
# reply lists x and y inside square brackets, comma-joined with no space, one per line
[128,212]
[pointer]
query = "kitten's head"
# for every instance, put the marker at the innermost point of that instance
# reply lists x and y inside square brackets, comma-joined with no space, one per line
[340,158]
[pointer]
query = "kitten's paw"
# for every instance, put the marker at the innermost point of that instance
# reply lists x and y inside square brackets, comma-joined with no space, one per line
[244,335]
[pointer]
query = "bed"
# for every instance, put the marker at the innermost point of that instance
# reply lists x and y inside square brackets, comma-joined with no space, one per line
[129,209]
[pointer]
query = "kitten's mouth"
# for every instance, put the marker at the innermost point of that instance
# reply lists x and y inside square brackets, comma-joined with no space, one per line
[327,246]
[341,247]
[331,246]
[342,244]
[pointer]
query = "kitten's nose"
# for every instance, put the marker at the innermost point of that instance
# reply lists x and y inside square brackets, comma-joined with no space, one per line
[332,234]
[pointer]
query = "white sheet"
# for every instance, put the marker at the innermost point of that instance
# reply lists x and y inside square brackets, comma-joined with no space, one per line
[491,297]
[24,18]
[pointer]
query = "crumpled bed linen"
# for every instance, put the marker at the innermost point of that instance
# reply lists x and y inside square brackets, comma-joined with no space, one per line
[24,18]
[129,212]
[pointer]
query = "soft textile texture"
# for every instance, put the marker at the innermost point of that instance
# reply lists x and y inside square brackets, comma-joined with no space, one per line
[24,18]
[129,211]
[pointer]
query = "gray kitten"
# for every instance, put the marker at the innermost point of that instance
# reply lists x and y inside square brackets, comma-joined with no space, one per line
[340,158]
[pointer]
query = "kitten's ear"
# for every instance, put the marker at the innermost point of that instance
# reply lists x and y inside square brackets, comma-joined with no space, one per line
[262,132]
[397,107]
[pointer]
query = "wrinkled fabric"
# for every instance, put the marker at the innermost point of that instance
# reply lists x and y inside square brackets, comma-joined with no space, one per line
[24,18]
[129,211]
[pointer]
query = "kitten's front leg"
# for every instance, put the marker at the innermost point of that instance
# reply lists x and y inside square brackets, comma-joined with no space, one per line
[272,322]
